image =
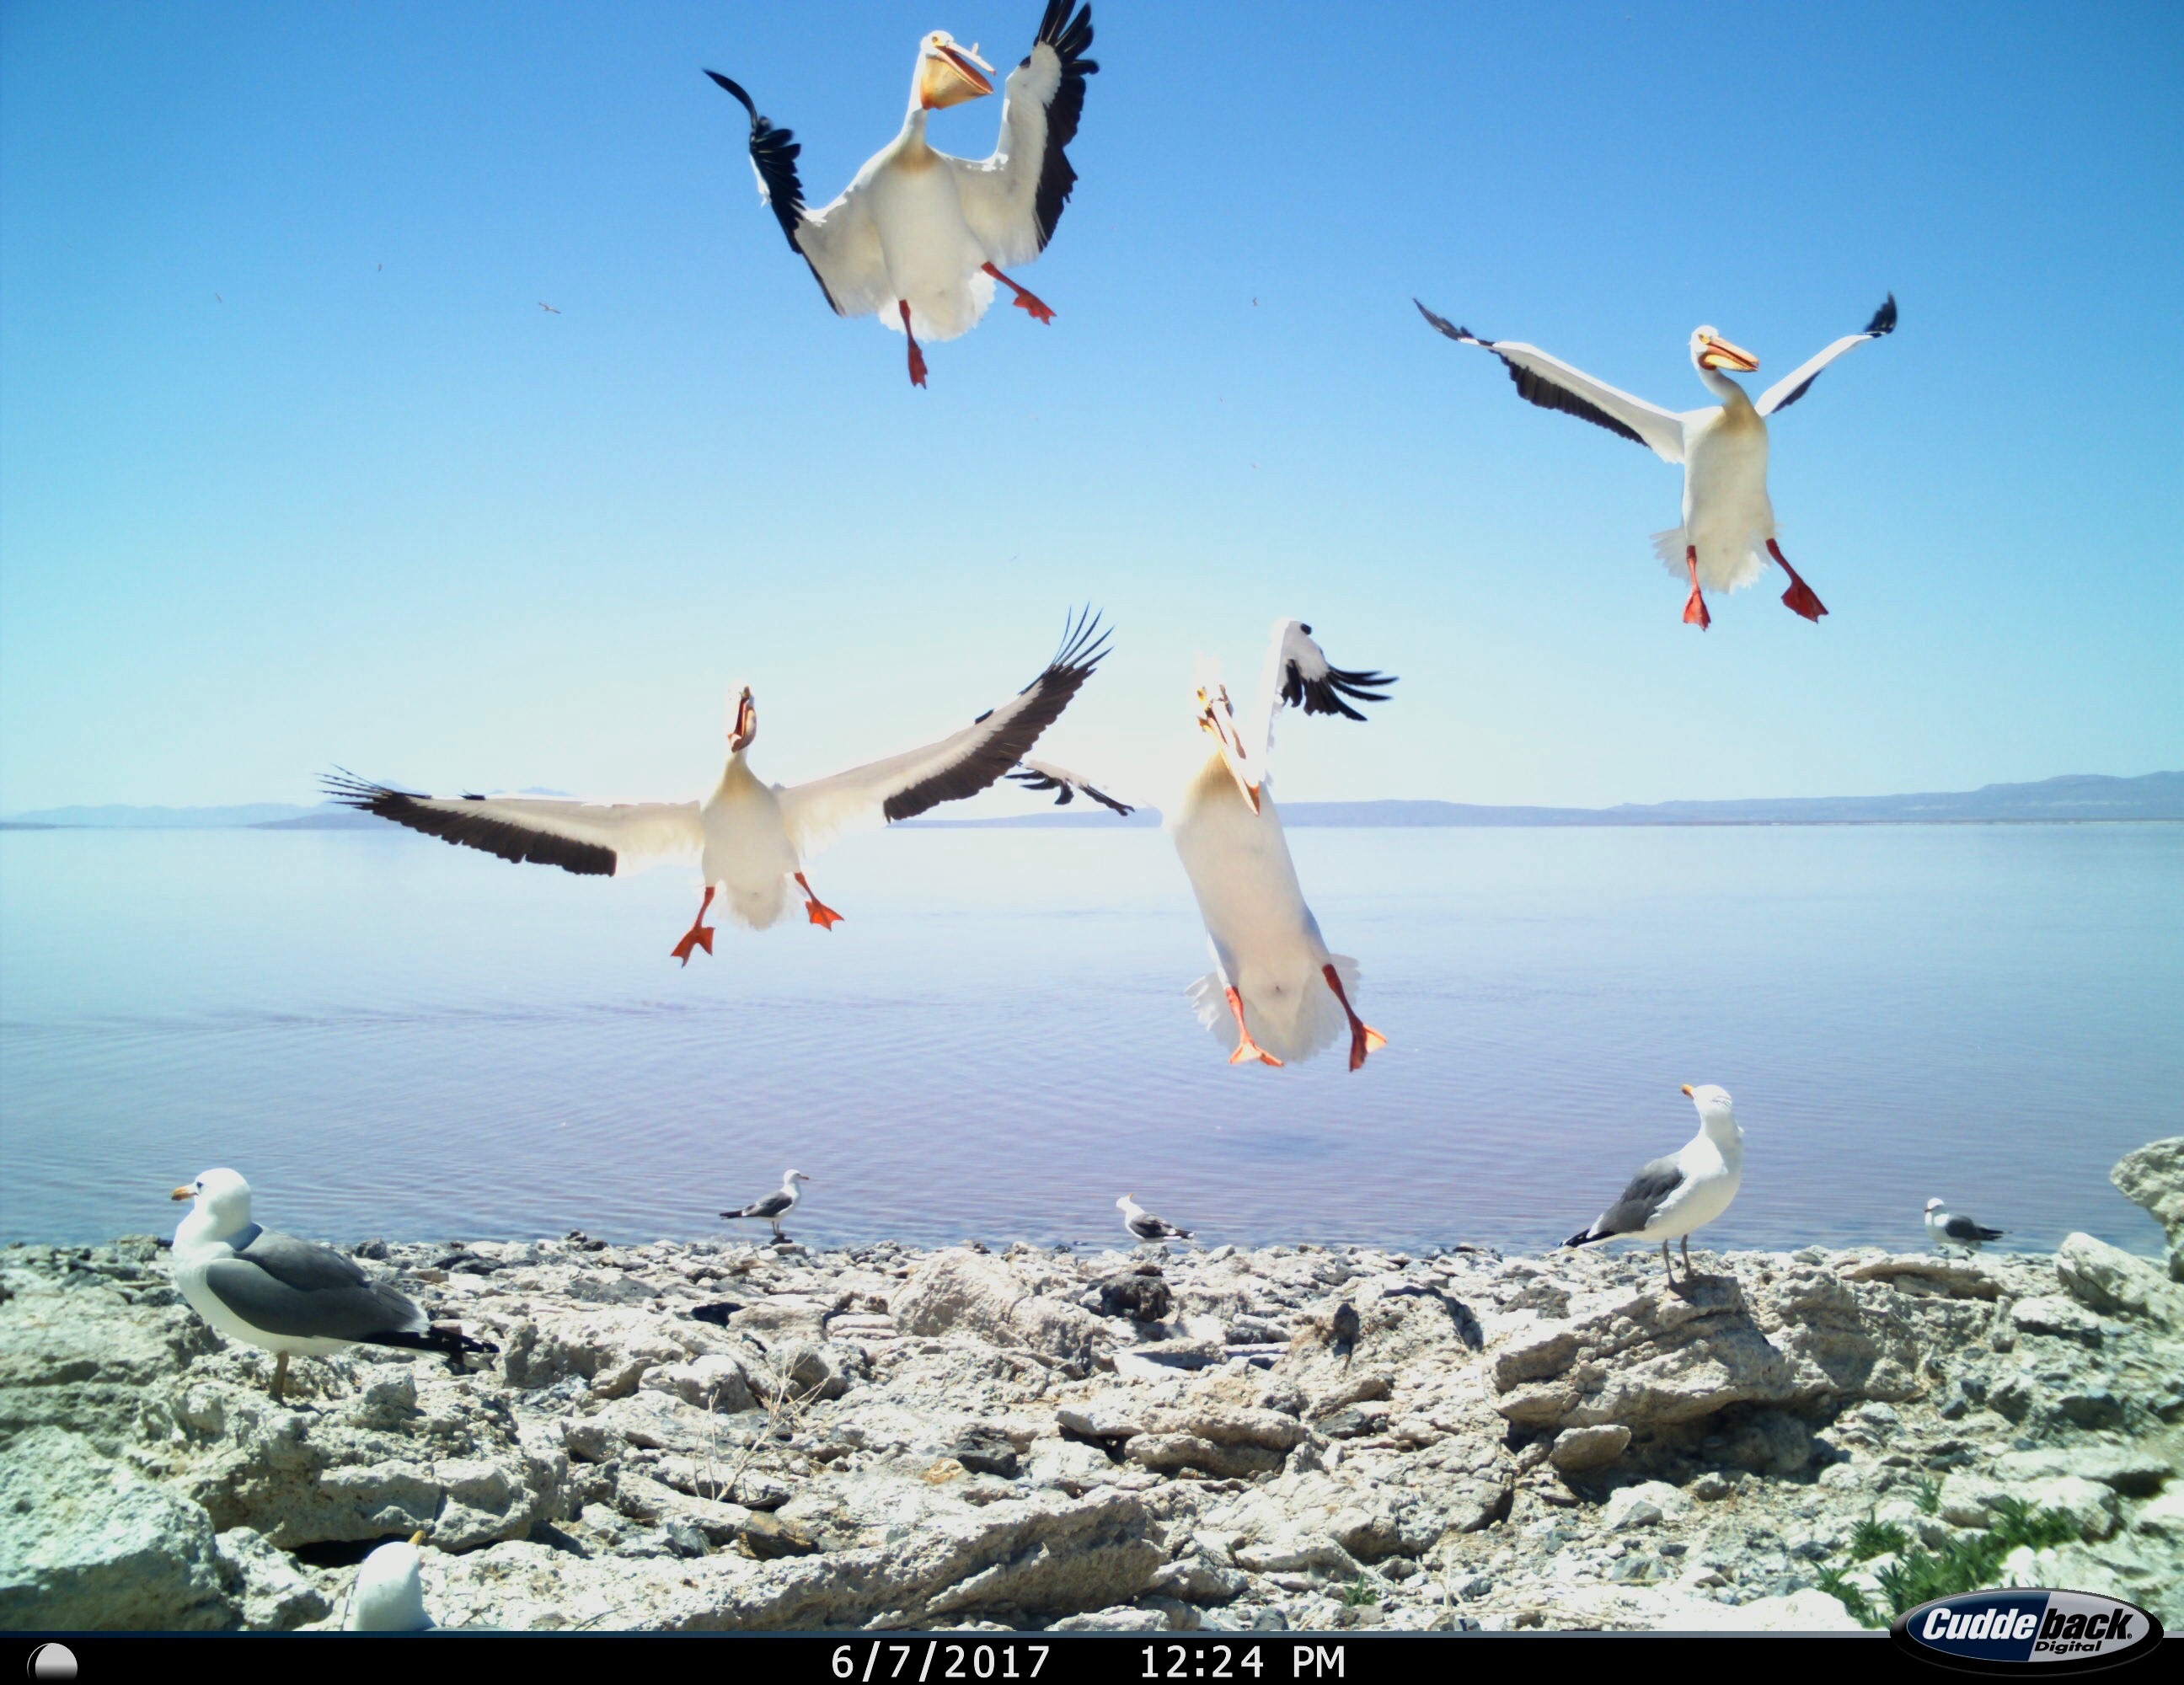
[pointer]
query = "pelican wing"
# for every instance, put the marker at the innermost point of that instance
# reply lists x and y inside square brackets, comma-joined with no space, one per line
[1306,678]
[1040,775]
[956,766]
[1013,199]
[1791,387]
[840,243]
[577,837]
[1552,384]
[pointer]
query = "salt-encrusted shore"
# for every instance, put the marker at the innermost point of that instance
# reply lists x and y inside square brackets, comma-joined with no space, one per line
[723,1436]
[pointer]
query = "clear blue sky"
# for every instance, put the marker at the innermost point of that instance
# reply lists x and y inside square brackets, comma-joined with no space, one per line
[371,504]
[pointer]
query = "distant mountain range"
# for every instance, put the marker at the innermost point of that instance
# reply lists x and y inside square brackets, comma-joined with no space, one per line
[2078,797]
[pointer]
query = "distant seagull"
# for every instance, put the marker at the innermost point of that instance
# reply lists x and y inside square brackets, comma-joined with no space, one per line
[918,237]
[1039,774]
[1276,993]
[287,1296]
[548,308]
[1964,1231]
[389,1596]
[217,299]
[1672,1196]
[1727,514]
[777,1205]
[1143,1226]
[749,838]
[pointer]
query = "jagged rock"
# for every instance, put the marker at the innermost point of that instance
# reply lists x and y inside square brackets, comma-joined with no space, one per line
[713,1382]
[1166,1452]
[2153,1176]
[275,1597]
[87,1544]
[2108,1279]
[959,1292]
[1142,1295]
[1588,1448]
[2052,1314]
[1968,1500]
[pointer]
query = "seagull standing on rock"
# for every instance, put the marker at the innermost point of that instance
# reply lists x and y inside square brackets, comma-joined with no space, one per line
[1672,1196]
[777,1205]
[1956,1231]
[1145,1226]
[289,1297]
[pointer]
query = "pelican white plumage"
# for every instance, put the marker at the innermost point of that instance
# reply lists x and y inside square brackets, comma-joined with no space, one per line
[1276,993]
[919,238]
[1728,516]
[749,838]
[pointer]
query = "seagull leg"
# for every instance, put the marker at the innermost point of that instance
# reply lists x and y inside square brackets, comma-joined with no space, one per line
[1695,615]
[820,913]
[1799,597]
[700,935]
[917,357]
[280,1376]
[1687,1259]
[1667,1266]
[1246,1048]
[1363,1038]
[1041,310]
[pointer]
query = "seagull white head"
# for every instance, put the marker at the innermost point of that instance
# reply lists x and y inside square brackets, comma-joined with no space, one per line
[1710,351]
[1126,1202]
[949,73]
[1215,716]
[787,1176]
[390,1591]
[1713,1104]
[1934,1206]
[224,1198]
[742,719]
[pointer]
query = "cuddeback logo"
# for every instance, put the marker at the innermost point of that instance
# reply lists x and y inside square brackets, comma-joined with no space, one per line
[2000,1632]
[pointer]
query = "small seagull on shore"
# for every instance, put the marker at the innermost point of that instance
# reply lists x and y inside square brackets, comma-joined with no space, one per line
[1672,1196]
[389,1596]
[289,1297]
[777,1205]
[1964,1231]
[1143,1226]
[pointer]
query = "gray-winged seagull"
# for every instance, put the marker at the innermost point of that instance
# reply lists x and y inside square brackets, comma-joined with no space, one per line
[1672,1196]
[289,1297]
[777,1205]
[1964,1231]
[1143,1226]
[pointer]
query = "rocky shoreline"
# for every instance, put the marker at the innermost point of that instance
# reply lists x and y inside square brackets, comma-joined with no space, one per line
[724,1436]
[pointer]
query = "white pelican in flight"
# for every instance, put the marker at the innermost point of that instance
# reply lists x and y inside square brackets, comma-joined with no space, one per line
[1276,994]
[920,236]
[749,838]
[1727,516]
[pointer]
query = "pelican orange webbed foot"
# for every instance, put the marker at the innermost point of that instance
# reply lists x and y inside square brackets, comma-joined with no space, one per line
[1364,1039]
[821,914]
[1041,311]
[700,935]
[1246,1048]
[1695,609]
[1800,595]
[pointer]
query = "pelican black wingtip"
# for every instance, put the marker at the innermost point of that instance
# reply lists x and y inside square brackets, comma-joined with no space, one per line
[1884,319]
[736,88]
[1441,324]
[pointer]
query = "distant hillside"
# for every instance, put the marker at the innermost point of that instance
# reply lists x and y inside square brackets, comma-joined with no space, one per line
[2085,796]
[2078,797]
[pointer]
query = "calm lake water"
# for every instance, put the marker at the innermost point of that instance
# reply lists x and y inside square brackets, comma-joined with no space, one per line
[391,1037]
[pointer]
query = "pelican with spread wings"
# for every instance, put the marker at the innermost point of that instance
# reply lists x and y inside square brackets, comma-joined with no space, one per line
[920,236]
[750,838]
[1728,516]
